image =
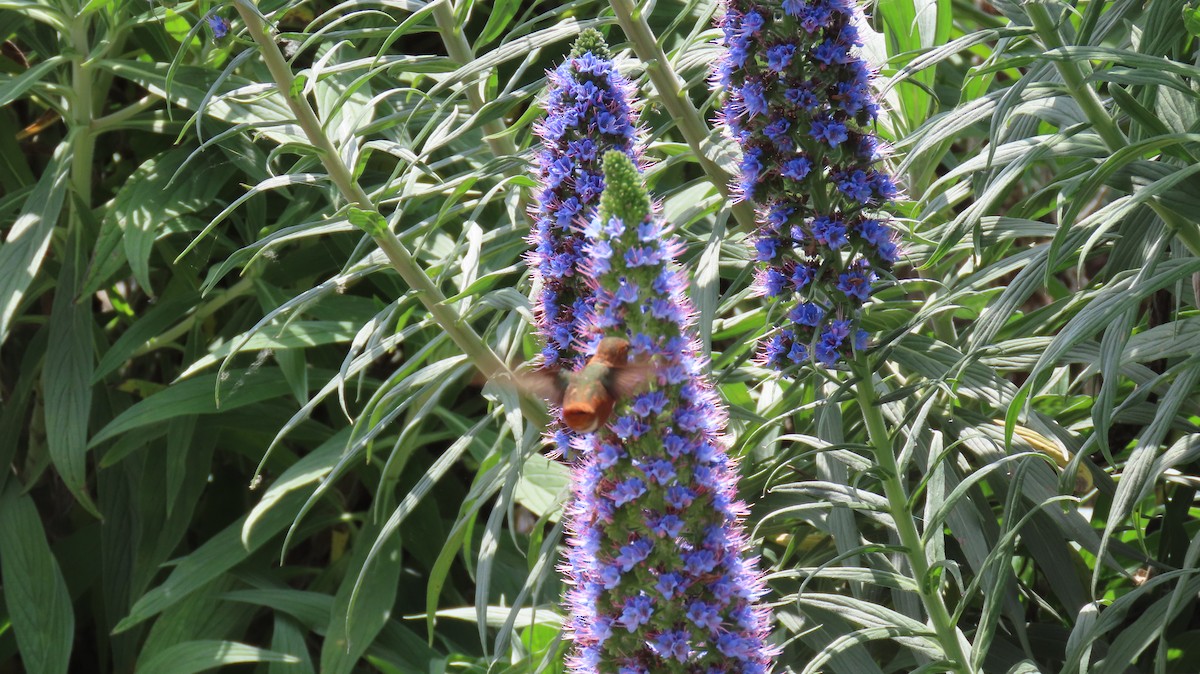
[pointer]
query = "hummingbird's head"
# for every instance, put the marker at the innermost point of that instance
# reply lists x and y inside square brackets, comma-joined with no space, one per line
[612,351]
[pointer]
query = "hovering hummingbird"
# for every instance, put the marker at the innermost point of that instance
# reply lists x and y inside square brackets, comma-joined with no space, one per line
[587,397]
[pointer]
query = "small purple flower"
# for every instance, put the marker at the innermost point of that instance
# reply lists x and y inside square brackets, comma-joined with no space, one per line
[752,23]
[807,313]
[670,584]
[856,185]
[777,216]
[608,454]
[632,554]
[779,56]
[219,26]
[673,644]
[753,99]
[771,282]
[628,427]
[667,526]
[862,340]
[829,232]
[777,131]
[704,616]
[636,612]
[856,281]
[627,293]
[802,97]
[830,53]
[829,131]
[627,491]
[643,256]
[798,354]
[680,497]
[767,249]
[797,168]
[699,562]
[660,472]
[802,275]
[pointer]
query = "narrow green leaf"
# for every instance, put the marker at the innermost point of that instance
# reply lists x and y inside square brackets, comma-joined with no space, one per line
[370,222]
[27,240]
[196,396]
[197,656]
[34,590]
[67,379]
[216,556]
[12,88]
[363,603]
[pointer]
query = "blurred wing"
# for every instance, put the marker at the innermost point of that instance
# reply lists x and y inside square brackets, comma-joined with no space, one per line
[548,385]
[630,380]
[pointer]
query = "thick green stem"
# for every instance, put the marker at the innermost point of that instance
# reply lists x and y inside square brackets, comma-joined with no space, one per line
[459,51]
[1075,78]
[906,527]
[82,109]
[675,99]
[455,326]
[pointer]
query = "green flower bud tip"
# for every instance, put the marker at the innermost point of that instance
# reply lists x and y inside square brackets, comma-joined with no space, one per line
[591,40]
[624,196]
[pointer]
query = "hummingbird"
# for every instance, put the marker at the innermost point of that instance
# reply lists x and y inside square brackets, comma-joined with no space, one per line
[587,397]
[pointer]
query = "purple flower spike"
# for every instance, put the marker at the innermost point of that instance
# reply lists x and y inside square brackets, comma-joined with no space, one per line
[799,103]
[657,552]
[589,111]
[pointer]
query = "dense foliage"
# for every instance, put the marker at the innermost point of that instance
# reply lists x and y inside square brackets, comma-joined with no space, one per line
[264,280]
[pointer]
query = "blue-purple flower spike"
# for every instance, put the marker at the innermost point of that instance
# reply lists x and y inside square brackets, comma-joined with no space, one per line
[658,567]
[588,112]
[799,103]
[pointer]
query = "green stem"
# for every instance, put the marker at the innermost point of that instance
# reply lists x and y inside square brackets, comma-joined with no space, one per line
[906,527]
[455,326]
[675,99]
[1075,78]
[82,108]
[242,287]
[115,119]
[459,51]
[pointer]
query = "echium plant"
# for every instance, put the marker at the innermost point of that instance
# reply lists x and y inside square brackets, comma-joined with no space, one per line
[799,103]
[658,566]
[588,112]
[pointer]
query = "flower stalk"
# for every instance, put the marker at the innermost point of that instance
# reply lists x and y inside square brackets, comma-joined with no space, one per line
[589,111]
[906,527]
[459,50]
[658,567]
[798,100]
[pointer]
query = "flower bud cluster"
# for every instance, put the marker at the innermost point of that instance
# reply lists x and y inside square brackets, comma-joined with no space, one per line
[798,101]
[588,112]
[657,565]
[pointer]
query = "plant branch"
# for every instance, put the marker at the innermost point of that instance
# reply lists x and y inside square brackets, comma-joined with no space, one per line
[110,121]
[675,99]
[1075,79]
[906,527]
[83,105]
[456,327]
[242,287]
[461,53]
